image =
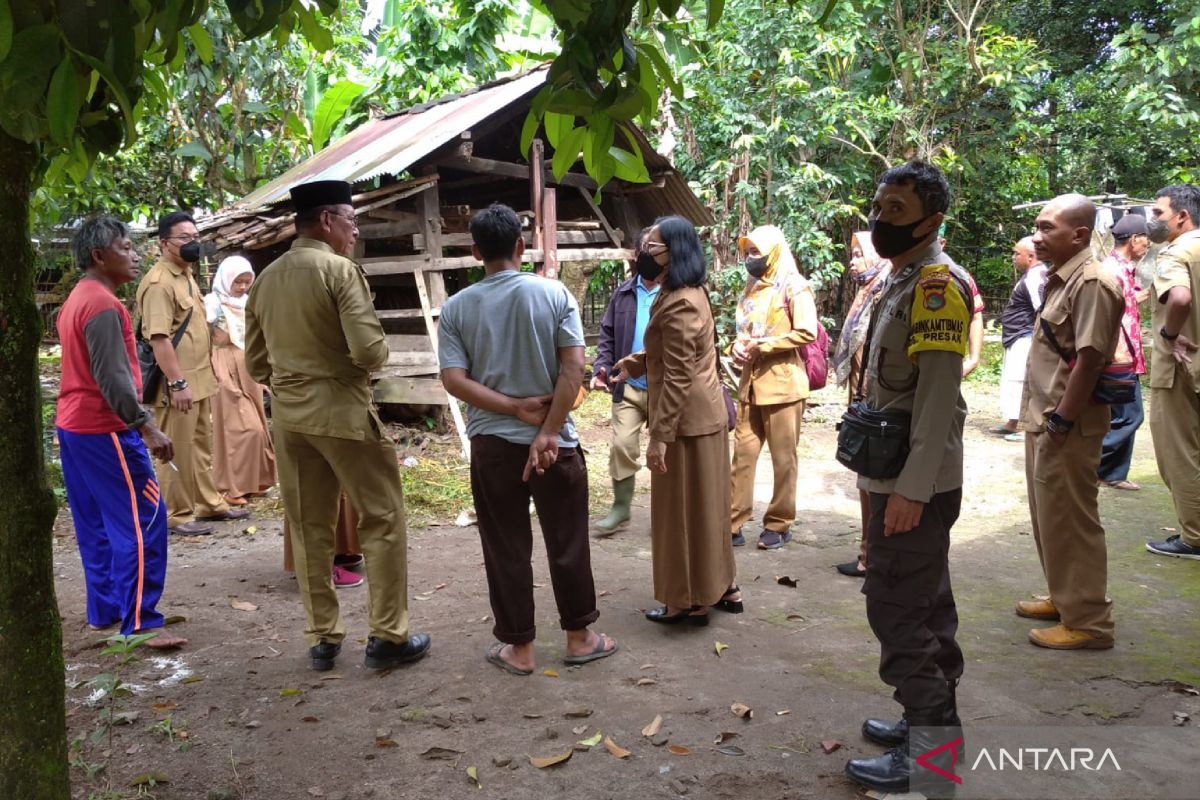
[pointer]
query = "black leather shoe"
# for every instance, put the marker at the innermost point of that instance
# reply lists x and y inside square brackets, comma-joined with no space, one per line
[382,654]
[888,734]
[323,654]
[686,617]
[886,773]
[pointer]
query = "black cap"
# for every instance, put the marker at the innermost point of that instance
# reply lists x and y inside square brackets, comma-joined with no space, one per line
[1129,225]
[320,193]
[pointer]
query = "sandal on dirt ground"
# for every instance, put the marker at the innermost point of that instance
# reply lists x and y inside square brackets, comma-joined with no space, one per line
[597,653]
[730,606]
[1126,486]
[492,655]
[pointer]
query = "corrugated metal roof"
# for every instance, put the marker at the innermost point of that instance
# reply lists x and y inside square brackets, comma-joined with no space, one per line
[391,144]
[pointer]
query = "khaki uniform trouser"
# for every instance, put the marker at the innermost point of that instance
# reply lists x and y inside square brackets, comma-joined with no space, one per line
[1175,427]
[313,471]
[191,492]
[628,418]
[1063,506]
[778,426]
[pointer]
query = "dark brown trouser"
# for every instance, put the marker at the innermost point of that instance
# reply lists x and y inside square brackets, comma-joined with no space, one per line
[910,605]
[502,507]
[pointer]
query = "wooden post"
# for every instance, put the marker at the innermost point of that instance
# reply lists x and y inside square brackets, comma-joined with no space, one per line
[550,233]
[430,220]
[431,329]
[537,186]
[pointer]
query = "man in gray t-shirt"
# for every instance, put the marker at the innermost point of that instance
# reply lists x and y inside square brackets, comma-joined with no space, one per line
[511,347]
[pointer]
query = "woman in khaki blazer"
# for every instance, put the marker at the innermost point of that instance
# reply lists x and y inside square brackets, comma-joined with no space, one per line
[688,453]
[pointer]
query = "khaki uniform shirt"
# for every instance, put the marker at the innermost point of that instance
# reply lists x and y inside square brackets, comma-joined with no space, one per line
[312,335]
[914,364]
[164,297]
[1178,265]
[779,374]
[681,367]
[1083,306]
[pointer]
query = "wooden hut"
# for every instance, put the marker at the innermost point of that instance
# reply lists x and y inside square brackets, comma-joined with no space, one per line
[419,174]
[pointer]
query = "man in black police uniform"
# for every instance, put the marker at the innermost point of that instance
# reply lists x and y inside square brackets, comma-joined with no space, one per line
[916,349]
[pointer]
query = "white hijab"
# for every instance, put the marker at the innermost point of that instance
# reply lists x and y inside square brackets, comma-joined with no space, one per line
[219,304]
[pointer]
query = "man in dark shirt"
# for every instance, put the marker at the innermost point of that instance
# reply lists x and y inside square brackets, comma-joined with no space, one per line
[1017,320]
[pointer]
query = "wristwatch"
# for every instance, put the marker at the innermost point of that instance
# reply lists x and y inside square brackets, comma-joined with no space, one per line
[178,386]
[1163,333]
[1055,423]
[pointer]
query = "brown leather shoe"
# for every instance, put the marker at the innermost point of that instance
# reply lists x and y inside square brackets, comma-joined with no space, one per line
[193,528]
[1060,637]
[229,513]
[1038,608]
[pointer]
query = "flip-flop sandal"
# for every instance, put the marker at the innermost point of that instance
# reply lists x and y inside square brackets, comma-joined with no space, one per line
[597,653]
[492,655]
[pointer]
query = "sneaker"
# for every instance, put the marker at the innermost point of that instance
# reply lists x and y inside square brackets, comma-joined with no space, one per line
[1175,547]
[193,528]
[345,579]
[773,540]
[738,539]
[349,560]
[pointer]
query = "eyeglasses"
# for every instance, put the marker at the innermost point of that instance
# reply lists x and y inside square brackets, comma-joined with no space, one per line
[186,238]
[352,219]
[655,245]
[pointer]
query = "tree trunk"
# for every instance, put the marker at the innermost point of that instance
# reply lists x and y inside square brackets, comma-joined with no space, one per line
[33,727]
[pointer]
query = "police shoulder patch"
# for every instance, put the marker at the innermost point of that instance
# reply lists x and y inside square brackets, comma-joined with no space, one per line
[940,316]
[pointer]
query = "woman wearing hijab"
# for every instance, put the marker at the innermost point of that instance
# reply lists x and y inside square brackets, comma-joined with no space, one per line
[688,453]
[870,272]
[776,316]
[243,459]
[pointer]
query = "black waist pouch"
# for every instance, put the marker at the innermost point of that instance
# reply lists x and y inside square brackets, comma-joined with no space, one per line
[873,443]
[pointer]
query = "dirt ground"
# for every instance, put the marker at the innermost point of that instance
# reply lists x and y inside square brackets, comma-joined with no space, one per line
[238,714]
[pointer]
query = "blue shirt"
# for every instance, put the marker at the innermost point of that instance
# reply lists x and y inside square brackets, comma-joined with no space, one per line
[645,299]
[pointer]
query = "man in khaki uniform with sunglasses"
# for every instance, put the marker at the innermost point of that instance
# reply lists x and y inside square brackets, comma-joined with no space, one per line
[1081,317]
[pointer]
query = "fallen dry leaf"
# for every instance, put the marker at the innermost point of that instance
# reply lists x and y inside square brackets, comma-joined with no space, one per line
[604,593]
[542,762]
[242,605]
[742,710]
[149,779]
[251,529]
[532,716]
[653,727]
[615,749]
[794,617]
[679,750]
[192,679]
[316,791]
[720,647]
[645,682]
[591,741]
[309,718]
[830,745]
[472,772]
[289,692]
[163,706]
[385,741]
[578,713]
[579,730]
[436,588]
[441,754]
[723,737]
[731,750]
[784,580]
[550,673]
[174,619]
[646,666]
[783,713]
[423,596]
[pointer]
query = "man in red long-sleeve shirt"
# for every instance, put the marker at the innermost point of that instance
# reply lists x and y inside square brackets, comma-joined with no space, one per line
[104,434]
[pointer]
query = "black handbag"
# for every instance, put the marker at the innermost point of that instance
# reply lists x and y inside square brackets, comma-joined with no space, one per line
[1116,383]
[874,444]
[151,372]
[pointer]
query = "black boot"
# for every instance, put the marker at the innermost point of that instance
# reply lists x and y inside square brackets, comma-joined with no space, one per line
[893,734]
[382,654]
[323,654]
[895,770]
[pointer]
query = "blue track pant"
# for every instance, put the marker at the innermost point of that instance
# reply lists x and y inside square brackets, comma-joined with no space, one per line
[120,524]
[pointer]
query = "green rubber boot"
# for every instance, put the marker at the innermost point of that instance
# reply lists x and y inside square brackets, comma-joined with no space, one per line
[622,498]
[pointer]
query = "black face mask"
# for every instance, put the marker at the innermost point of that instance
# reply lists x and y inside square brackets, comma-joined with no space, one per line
[647,267]
[756,266]
[190,252]
[892,240]
[1156,230]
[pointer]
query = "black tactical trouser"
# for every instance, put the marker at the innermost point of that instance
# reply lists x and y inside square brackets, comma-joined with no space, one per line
[910,605]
